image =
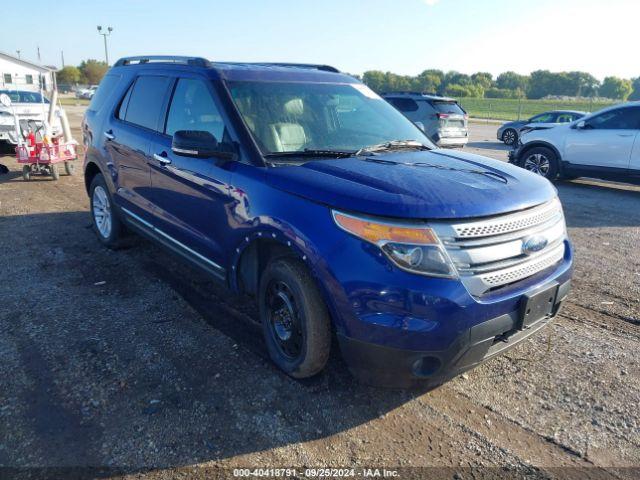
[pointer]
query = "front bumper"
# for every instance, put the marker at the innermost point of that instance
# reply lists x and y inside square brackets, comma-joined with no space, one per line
[514,154]
[399,368]
[9,137]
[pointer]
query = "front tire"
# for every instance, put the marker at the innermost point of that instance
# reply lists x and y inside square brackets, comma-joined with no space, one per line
[510,136]
[295,319]
[106,223]
[541,161]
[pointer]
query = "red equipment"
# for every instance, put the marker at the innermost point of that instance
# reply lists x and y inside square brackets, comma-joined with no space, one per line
[44,157]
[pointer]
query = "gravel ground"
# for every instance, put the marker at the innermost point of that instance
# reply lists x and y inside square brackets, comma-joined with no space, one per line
[133,362]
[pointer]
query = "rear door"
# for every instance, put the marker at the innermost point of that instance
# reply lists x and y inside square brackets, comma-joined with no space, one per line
[606,141]
[128,134]
[190,194]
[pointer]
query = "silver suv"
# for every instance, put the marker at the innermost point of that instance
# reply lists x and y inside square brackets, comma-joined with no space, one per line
[441,118]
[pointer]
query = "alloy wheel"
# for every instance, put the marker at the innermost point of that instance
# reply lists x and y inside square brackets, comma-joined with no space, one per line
[102,211]
[538,163]
[509,137]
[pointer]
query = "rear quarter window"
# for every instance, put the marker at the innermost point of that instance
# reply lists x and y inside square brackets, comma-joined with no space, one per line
[106,87]
[404,104]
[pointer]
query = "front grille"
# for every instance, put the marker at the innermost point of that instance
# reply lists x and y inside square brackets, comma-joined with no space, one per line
[489,253]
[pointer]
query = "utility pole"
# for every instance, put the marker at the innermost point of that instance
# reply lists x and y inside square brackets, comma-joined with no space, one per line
[18,52]
[105,35]
[62,55]
[39,60]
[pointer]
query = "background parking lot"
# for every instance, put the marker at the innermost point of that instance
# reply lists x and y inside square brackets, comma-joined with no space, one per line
[132,360]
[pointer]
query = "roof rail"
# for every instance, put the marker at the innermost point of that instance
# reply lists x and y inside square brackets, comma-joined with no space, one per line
[407,92]
[142,59]
[324,68]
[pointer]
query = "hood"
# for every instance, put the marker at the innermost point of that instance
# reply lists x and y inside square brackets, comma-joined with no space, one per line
[514,124]
[433,184]
[31,110]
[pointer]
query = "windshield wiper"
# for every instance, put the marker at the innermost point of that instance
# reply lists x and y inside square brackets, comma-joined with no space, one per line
[311,152]
[393,145]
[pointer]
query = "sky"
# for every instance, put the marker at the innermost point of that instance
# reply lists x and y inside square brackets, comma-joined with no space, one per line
[402,36]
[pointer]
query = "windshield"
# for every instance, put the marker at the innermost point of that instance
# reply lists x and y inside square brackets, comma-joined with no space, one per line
[298,117]
[24,97]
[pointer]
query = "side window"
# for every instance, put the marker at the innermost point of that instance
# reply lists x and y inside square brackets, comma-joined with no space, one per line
[543,118]
[193,108]
[107,85]
[564,118]
[404,104]
[620,119]
[146,101]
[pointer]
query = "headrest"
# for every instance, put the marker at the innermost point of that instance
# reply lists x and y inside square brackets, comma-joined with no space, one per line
[294,107]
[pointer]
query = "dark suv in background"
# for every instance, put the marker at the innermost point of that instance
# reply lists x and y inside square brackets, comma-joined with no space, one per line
[441,118]
[300,186]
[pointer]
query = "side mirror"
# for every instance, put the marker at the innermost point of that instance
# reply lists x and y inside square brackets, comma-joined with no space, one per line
[581,125]
[200,144]
[420,125]
[5,100]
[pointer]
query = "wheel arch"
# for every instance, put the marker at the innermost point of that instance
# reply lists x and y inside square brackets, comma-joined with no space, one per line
[539,143]
[258,249]
[91,169]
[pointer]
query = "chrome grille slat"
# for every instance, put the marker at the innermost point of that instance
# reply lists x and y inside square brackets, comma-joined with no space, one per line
[504,238]
[511,262]
[508,223]
[489,253]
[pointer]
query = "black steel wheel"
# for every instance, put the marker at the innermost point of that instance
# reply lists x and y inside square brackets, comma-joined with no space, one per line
[295,319]
[284,319]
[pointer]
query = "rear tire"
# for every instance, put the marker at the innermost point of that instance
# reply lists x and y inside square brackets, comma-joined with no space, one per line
[541,161]
[295,319]
[106,223]
[55,173]
[70,168]
[510,136]
[26,173]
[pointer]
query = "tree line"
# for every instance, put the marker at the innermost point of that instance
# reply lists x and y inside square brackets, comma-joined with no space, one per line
[89,72]
[538,84]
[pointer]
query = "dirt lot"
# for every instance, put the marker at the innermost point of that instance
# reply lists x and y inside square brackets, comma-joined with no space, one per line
[132,361]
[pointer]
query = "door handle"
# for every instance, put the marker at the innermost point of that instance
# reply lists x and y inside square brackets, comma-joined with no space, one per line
[109,135]
[161,158]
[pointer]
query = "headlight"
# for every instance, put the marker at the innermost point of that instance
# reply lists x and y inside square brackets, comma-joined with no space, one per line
[415,248]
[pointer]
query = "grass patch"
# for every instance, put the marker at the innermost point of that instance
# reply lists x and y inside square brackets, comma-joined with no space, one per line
[512,109]
[73,101]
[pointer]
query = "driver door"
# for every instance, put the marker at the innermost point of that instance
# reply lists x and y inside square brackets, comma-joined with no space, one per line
[190,194]
[606,141]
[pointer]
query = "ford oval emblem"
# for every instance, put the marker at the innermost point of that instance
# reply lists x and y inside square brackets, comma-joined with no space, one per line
[534,244]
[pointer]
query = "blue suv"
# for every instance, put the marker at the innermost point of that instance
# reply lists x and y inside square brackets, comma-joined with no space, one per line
[299,185]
